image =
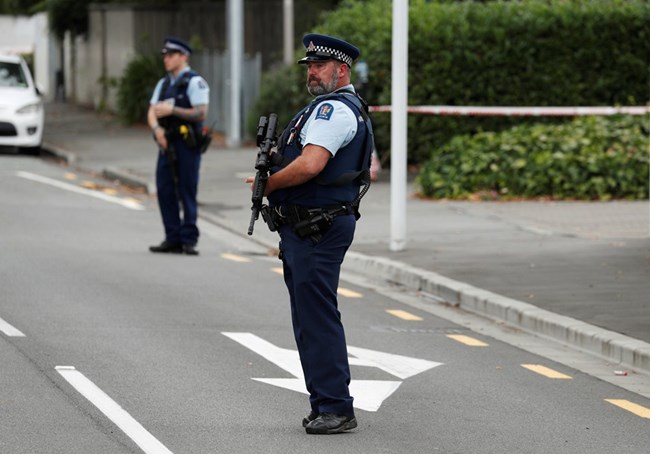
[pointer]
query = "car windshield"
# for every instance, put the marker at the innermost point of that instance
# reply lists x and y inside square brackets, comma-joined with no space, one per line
[12,75]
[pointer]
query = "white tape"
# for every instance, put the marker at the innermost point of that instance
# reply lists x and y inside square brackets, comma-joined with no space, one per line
[519,111]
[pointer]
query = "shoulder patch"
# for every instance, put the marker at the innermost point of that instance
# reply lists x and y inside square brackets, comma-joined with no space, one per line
[324,111]
[202,85]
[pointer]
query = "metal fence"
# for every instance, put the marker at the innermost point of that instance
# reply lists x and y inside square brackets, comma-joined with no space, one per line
[215,69]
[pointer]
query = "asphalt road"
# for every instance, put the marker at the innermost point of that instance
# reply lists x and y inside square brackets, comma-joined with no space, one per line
[107,348]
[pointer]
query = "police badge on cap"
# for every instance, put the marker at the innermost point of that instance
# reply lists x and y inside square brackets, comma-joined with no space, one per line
[323,48]
[173,44]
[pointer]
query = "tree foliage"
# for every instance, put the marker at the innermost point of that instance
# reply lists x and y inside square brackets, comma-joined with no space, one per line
[518,53]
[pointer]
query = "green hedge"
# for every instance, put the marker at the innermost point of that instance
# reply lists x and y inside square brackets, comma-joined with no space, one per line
[589,158]
[516,53]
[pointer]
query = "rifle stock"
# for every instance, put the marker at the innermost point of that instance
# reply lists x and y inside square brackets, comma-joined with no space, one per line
[265,141]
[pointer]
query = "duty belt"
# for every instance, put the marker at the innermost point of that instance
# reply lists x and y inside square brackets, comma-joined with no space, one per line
[304,221]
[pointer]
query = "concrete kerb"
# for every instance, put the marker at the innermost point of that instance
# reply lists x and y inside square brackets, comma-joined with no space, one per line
[609,345]
[59,153]
[614,347]
[110,173]
[128,179]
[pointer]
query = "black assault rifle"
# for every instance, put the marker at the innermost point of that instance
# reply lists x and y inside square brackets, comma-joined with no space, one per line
[265,141]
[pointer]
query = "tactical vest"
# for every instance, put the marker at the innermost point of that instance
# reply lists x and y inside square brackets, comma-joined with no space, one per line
[339,182]
[178,91]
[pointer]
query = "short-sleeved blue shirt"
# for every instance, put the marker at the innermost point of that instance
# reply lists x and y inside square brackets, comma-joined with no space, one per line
[198,91]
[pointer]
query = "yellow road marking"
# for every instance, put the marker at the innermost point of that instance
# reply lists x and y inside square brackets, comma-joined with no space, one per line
[341,291]
[349,293]
[109,191]
[69,176]
[403,314]
[547,372]
[637,409]
[88,185]
[467,340]
[235,258]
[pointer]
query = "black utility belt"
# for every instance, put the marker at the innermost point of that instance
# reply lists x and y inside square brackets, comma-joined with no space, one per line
[304,221]
[187,133]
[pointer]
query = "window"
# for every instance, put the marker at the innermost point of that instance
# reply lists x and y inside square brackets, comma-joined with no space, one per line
[12,75]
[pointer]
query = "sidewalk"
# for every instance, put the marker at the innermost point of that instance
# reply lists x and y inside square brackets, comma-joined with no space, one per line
[575,271]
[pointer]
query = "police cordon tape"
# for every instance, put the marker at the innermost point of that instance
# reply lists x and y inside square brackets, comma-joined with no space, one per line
[519,111]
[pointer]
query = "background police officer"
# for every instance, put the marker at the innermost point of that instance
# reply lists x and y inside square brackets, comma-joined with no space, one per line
[178,107]
[312,196]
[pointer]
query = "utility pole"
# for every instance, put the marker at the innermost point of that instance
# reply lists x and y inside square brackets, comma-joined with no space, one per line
[288,31]
[398,131]
[235,27]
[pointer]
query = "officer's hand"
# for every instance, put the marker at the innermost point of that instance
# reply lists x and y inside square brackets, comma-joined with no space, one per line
[251,181]
[159,134]
[163,109]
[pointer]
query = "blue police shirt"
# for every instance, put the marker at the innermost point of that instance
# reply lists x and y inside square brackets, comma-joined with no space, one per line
[198,91]
[331,125]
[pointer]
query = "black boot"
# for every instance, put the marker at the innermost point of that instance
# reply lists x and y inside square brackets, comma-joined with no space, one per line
[328,423]
[309,418]
[190,249]
[167,247]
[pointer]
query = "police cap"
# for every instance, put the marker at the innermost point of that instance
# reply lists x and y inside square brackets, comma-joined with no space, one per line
[173,44]
[323,48]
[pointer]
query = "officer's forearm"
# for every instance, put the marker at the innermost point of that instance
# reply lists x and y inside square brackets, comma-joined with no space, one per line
[302,169]
[193,114]
[152,120]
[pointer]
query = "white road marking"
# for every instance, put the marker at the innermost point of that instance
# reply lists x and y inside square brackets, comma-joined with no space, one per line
[10,330]
[368,394]
[147,442]
[128,203]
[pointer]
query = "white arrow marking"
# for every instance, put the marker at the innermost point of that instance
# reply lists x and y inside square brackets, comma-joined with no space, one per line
[397,365]
[368,394]
[282,357]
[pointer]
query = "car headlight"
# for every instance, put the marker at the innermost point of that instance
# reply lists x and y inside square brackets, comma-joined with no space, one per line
[30,108]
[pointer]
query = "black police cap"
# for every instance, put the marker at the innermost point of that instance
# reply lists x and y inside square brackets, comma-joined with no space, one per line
[323,48]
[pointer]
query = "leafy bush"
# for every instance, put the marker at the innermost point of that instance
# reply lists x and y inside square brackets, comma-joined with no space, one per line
[589,158]
[136,85]
[286,102]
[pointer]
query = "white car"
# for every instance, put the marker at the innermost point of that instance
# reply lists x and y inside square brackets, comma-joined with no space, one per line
[21,106]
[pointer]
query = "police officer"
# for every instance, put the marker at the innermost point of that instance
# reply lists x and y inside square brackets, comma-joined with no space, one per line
[313,196]
[177,109]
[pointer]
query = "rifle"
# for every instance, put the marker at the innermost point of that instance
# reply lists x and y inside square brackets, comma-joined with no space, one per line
[265,141]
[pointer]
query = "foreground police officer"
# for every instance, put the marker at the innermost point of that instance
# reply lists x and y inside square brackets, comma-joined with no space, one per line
[313,197]
[178,107]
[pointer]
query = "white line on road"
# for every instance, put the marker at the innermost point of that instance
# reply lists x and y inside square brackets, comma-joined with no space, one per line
[147,442]
[10,330]
[128,203]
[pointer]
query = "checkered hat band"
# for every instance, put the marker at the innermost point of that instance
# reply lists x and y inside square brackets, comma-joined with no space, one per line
[174,46]
[334,52]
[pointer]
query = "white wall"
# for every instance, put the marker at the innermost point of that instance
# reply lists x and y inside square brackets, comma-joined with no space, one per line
[109,47]
[30,34]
